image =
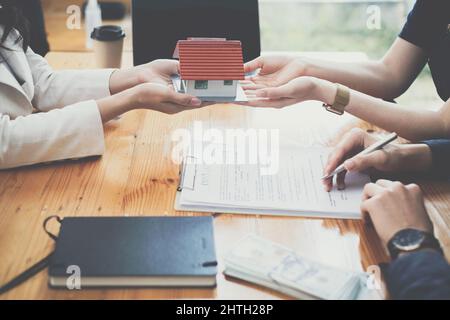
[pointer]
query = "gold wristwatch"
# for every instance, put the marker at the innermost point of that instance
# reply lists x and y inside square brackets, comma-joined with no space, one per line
[341,100]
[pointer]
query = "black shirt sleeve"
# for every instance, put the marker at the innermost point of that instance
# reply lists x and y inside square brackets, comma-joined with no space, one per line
[440,152]
[424,23]
[423,275]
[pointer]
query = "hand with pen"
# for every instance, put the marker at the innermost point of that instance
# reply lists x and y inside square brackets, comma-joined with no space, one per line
[392,158]
[390,205]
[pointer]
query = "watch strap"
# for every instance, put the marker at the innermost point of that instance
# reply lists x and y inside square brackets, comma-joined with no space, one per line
[341,100]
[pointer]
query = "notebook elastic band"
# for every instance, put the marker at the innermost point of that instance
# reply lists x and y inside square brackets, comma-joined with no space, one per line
[34,269]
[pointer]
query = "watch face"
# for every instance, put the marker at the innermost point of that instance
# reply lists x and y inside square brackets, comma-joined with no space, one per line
[408,239]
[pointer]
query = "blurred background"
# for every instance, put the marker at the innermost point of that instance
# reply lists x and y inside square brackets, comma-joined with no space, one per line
[292,25]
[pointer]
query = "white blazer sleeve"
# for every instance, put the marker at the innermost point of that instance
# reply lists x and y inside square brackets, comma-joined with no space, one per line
[56,89]
[71,132]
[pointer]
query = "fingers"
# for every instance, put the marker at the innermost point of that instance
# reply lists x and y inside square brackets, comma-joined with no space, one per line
[415,189]
[265,103]
[375,159]
[365,213]
[285,91]
[371,190]
[170,108]
[173,108]
[393,206]
[167,66]
[249,85]
[387,183]
[340,180]
[328,184]
[393,185]
[398,186]
[174,67]
[257,63]
[366,208]
[183,99]
[352,143]
[370,193]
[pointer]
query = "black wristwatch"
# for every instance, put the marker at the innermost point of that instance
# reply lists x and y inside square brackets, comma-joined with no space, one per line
[409,240]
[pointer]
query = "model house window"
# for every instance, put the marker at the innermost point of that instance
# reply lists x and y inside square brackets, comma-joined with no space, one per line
[228,83]
[201,84]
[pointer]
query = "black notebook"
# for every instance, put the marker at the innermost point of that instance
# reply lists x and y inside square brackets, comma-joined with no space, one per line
[135,252]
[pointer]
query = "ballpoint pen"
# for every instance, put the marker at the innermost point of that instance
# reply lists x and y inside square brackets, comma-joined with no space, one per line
[374,147]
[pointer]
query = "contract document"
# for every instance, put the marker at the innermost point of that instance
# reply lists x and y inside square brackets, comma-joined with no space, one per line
[295,189]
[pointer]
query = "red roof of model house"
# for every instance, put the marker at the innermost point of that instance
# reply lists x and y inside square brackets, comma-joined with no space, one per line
[210,59]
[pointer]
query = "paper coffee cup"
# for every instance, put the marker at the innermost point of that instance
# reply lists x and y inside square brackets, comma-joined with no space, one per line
[108,46]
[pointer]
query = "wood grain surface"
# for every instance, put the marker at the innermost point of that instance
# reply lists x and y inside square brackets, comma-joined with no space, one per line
[136,177]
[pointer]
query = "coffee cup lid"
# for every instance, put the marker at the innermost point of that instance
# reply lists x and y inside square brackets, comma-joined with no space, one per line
[108,33]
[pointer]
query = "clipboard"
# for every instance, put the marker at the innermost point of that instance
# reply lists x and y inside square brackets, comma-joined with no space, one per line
[189,182]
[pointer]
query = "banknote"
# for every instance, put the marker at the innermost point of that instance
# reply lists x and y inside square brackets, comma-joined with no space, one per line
[259,260]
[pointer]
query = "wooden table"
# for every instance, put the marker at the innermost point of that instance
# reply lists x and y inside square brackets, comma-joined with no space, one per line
[61,38]
[136,177]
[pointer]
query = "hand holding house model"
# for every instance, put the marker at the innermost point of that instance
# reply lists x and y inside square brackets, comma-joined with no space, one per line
[210,69]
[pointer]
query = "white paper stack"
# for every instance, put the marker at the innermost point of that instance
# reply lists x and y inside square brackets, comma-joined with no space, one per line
[294,188]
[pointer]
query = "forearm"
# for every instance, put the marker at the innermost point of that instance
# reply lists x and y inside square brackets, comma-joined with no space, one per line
[386,78]
[411,124]
[113,106]
[370,77]
[124,79]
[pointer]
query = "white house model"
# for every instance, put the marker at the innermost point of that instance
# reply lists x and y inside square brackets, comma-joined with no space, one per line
[210,67]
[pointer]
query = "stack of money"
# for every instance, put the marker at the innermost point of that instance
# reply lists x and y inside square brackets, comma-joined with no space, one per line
[272,265]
